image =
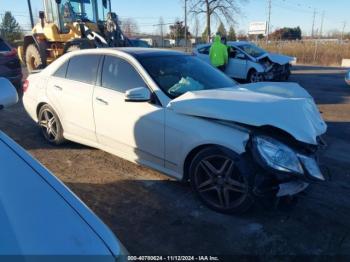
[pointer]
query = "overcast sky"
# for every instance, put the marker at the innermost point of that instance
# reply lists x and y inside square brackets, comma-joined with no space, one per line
[288,13]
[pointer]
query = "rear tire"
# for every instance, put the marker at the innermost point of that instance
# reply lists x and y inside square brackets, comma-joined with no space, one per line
[218,179]
[50,125]
[34,59]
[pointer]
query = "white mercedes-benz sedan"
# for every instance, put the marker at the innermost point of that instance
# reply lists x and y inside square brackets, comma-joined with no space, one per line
[175,113]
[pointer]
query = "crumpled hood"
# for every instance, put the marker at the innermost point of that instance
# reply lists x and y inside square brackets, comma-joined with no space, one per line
[277,58]
[286,106]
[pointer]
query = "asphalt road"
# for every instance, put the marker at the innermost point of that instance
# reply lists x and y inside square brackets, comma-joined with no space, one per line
[151,214]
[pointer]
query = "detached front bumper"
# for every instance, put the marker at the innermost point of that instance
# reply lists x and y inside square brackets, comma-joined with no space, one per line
[291,188]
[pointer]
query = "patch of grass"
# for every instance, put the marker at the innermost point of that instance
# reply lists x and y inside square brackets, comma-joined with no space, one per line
[311,52]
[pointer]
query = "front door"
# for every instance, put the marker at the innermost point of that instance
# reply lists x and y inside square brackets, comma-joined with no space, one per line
[237,65]
[133,130]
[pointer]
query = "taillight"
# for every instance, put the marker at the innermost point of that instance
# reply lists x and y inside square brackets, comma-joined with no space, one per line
[25,85]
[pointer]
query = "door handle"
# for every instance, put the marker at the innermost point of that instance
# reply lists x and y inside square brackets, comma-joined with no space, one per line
[102,101]
[58,88]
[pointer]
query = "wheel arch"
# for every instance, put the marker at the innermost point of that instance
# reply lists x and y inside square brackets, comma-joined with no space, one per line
[39,106]
[190,156]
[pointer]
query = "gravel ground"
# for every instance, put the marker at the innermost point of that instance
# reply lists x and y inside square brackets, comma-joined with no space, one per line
[152,214]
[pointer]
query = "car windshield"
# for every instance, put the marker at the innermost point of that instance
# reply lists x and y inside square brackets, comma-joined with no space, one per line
[178,74]
[252,50]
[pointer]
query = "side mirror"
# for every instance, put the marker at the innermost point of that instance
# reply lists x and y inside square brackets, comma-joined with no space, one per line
[8,93]
[240,56]
[139,94]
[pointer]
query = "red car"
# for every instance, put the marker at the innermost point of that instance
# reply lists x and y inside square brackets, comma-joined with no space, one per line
[10,66]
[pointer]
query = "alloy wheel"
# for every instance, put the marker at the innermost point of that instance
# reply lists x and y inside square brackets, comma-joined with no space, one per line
[256,77]
[219,182]
[48,124]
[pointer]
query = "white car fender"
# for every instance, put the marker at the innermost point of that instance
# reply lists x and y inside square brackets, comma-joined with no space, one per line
[256,66]
[192,130]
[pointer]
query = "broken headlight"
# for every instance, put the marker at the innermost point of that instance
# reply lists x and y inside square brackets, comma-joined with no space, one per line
[277,155]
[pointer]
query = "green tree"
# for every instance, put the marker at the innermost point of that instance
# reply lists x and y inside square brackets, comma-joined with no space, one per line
[9,28]
[177,31]
[232,34]
[221,30]
[287,33]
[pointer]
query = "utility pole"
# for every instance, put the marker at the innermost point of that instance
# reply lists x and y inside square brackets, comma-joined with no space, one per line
[313,24]
[321,28]
[342,32]
[268,20]
[30,13]
[161,25]
[185,25]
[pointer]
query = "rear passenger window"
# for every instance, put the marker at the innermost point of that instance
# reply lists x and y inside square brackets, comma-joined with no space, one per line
[62,70]
[119,75]
[83,68]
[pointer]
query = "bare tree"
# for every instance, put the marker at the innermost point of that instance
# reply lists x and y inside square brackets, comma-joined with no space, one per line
[130,27]
[196,26]
[217,9]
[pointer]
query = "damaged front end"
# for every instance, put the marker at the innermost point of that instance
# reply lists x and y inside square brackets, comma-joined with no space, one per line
[283,167]
[275,71]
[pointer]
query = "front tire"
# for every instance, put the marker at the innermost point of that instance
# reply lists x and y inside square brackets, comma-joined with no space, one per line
[50,125]
[217,178]
[255,77]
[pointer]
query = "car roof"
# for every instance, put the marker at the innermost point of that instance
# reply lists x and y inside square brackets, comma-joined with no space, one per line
[41,216]
[139,52]
[239,43]
[231,43]
[133,51]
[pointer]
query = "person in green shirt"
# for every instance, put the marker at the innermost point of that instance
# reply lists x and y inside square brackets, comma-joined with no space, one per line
[218,54]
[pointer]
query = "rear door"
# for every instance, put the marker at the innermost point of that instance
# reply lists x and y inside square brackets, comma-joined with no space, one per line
[70,92]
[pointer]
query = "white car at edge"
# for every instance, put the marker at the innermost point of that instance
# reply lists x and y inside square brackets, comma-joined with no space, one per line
[250,62]
[175,113]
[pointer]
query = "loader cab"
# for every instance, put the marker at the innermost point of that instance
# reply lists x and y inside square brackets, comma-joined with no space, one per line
[62,12]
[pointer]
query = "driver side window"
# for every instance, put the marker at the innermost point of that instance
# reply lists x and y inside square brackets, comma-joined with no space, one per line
[119,75]
[234,53]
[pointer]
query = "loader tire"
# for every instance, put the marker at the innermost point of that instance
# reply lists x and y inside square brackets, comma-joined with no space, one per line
[34,58]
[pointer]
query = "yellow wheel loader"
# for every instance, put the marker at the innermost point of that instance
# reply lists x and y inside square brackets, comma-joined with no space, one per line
[68,25]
